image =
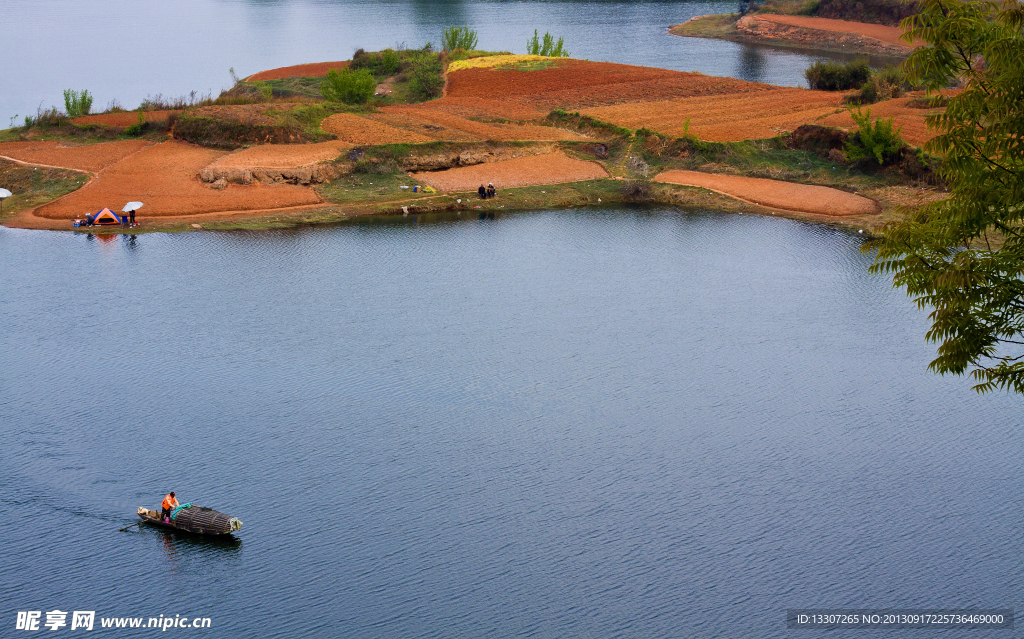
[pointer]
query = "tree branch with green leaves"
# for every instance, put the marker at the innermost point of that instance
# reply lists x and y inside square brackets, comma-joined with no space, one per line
[943,254]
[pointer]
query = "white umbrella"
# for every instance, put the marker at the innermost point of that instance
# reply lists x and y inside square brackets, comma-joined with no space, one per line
[4,194]
[131,206]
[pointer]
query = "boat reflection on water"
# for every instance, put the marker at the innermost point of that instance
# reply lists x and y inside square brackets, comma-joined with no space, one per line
[182,547]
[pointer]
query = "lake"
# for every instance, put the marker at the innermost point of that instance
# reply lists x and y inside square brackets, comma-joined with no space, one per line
[639,422]
[124,50]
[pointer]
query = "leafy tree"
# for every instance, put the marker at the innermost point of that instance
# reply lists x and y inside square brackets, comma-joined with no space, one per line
[77,103]
[547,46]
[458,38]
[878,140]
[350,87]
[964,256]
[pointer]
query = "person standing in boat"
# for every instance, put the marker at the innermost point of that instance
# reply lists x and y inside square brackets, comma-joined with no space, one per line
[169,504]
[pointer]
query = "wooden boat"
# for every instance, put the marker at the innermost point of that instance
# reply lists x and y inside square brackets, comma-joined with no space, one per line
[194,519]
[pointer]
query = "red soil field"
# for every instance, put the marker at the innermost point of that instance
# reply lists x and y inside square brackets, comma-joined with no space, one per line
[454,128]
[89,157]
[551,168]
[314,70]
[356,130]
[248,113]
[889,35]
[576,84]
[725,118]
[125,119]
[164,177]
[786,196]
[275,156]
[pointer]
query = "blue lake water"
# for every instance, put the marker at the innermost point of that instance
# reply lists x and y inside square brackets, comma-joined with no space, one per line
[580,423]
[125,51]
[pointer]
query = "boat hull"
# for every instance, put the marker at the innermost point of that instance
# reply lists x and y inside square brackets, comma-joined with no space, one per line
[152,518]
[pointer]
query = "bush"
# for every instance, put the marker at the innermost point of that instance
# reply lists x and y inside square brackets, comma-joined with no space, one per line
[547,46]
[838,76]
[425,78]
[885,84]
[46,118]
[136,129]
[348,86]
[879,140]
[77,104]
[458,38]
[382,64]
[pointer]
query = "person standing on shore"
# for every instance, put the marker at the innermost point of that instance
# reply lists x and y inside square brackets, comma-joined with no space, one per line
[131,216]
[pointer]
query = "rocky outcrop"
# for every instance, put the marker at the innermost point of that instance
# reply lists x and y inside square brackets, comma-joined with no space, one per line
[481,154]
[304,175]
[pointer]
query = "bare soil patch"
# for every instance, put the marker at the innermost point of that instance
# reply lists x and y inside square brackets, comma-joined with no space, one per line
[281,155]
[164,177]
[442,125]
[576,84]
[362,131]
[313,70]
[124,120]
[252,114]
[886,34]
[552,168]
[786,196]
[725,118]
[88,157]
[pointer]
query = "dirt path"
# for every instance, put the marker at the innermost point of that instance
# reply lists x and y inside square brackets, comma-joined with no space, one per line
[551,168]
[92,158]
[775,194]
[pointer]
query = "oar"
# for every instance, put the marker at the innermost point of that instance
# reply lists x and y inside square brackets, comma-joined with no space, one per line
[127,527]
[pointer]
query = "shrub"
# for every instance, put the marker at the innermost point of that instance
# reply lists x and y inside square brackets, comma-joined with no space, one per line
[77,103]
[458,38]
[884,84]
[135,130]
[266,91]
[384,64]
[837,76]
[47,118]
[425,79]
[348,86]
[879,140]
[547,46]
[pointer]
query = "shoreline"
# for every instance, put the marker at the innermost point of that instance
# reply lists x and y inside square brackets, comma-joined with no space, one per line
[765,30]
[504,125]
[603,193]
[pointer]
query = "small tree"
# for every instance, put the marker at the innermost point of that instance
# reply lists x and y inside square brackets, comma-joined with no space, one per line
[547,47]
[458,38]
[77,104]
[350,87]
[878,140]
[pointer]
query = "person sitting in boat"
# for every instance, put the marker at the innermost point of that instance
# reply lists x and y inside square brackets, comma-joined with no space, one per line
[169,504]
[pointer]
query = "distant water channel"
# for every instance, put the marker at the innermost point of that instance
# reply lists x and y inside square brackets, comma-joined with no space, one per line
[586,423]
[127,50]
